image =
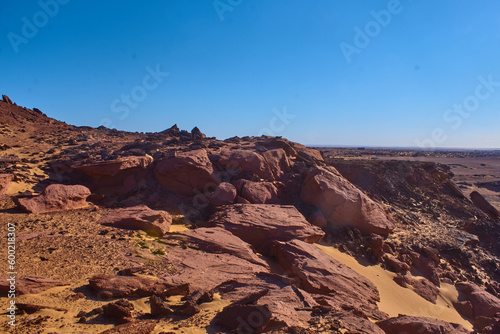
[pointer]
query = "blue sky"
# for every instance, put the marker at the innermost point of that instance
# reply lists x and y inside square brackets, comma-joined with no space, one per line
[330,72]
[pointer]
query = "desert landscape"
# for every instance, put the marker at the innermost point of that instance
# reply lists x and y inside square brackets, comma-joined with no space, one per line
[107,231]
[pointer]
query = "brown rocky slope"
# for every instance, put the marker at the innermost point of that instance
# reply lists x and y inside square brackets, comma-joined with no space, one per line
[253,208]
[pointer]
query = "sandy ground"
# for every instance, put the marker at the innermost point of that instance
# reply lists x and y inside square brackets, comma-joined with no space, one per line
[396,300]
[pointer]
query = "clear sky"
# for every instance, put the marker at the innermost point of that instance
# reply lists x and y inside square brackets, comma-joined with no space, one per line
[336,72]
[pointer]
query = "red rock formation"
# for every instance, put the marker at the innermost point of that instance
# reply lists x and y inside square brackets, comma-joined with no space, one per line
[186,172]
[418,325]
[257,192]
[139,217]
[107,168]
[342,203]
[28,284]
[262,224]
[56,197]
[317,272]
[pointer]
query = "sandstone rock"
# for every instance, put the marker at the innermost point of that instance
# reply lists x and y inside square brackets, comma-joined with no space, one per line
[139,327]
[159,307]
[217,241]
[5,180]
[317,219]
[342,203]
[261,224]
[186,172]
[418,325]
[376,243]
[317,272]
[29,285]
[119,309]
[155,222]
[484,304]
[109,286]
[204,271]
[422,286]
[56,197]
[278,143]
[262,302]
[307,154]
[224,194]
[257,192]
[107,168]
[396,265]
[482,203]
[278,162]
[6,99]
[245,161]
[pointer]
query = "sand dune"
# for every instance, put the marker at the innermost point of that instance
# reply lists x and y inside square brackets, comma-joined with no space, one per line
[396,300]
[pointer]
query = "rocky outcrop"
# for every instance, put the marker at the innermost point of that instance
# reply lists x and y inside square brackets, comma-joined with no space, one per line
[482,203]
[107,168]
[245,161]
[6,99]
[5,180]
[109,286]
[257,192]
[28,284]
[155,222]
[278,162]
[205,271]
[317,272]
[342,203]
[418,325]
[224,194]
[483,303]
[186,172]
[56,197]
[262,224]
[262,302]
[217,241]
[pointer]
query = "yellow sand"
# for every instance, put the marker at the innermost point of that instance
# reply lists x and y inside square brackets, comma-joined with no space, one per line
[395,300]
[178,228]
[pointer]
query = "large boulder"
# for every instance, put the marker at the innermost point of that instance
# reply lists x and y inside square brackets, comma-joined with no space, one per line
[342,203]
[27,285]
[56,197]
[484,304]
[204,271]
[5,180]
[317,272]
[107,168]
[109,286]
[245,161]
[482,203]
[262,302]
[257,192]
[278,161]
[417,325]
[217,241]
[224,194]
[186,172]
[155,222]
[262,224]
